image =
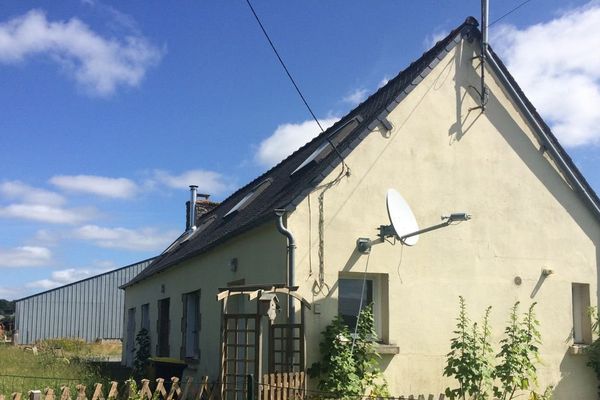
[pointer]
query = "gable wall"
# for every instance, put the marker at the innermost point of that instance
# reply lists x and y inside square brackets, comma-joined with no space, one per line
[261,259]
[443,158]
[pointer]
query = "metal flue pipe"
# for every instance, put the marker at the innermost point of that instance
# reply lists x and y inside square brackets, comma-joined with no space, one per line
[193,198]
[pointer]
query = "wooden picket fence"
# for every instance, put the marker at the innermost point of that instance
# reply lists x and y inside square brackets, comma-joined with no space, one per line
[188,391]
[281,386]
[287,386]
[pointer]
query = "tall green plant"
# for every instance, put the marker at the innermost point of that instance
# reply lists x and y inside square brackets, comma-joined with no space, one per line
[519,354]
[469,360]
[142,353]
[593,350]
[346,369]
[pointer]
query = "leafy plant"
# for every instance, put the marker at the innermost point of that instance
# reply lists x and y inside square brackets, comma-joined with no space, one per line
[142,353]
[519,354]
[593,350]
[347,370]
[469,360]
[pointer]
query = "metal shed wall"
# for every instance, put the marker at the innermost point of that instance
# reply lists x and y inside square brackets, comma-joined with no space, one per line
[89,309]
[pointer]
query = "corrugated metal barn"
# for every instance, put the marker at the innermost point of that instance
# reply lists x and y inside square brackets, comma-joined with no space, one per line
[89,309]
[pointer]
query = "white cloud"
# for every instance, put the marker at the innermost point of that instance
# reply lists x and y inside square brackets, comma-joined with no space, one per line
[287,138]
[558,66]
[97,63]
[45,213]
[29,194]
[356,97]
[99,185]
[143,239]
[209,182]
[64,277]
[25,256]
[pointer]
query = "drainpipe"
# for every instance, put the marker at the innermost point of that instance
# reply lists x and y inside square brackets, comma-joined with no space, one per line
[291,247]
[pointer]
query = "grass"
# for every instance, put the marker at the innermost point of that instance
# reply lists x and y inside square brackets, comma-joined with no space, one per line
[59,362]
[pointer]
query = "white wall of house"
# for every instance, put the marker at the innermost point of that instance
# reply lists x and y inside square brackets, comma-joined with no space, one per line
[261,259]
[444,158]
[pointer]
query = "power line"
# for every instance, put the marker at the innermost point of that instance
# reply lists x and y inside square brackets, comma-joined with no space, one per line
[284,66]
[509,12]
[345,167]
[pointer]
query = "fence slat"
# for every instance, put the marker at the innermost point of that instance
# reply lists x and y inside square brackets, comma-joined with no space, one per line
[145,392]
[48,394]
[114,390]
[81,392]
[65,393]
[175,391]
[160,388]
[97,395]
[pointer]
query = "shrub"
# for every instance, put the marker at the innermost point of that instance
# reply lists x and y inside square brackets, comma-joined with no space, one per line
[347,368]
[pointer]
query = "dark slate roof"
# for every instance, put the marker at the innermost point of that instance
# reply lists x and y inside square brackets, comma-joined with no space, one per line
[278,189]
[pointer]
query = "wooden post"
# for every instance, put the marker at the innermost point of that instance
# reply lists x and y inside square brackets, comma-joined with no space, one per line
[65,393]
[48,394]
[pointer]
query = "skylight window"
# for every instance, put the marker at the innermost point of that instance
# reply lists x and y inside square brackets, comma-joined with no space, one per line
[336,137]
[249,197]
[310,158]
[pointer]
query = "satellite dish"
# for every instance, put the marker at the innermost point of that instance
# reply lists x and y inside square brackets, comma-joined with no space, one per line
[401,216]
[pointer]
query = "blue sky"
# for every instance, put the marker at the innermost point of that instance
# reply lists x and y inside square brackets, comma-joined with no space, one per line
[111,109]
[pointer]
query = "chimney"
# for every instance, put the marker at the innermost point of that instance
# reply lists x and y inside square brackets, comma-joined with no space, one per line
[203,205]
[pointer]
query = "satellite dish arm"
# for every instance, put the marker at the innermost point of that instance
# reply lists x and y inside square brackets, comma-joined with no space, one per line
[455,217]
[424,230]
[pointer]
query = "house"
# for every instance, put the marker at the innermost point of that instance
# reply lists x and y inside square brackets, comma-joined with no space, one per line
[534,235]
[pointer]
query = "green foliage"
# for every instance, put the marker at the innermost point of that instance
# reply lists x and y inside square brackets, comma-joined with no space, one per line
[142,353]
[348,371]
[7,307]
[471,362]
[518,354]
[593,350]
[48,369]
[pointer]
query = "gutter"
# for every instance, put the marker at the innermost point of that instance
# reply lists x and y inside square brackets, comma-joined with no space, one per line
[291,251]
[543,135]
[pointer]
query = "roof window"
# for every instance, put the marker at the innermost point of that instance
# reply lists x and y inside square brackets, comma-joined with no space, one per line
[247,199]
[335,137]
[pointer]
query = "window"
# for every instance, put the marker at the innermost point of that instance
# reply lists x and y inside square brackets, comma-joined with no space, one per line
[582,324]
[130,343]
[145,320]
[190,325]
[162,328]
[374,290]
[336,137]
[254,192]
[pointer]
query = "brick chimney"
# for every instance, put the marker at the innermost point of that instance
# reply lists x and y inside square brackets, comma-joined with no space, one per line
[203,205]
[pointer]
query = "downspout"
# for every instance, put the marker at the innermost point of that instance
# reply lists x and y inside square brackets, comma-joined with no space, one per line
[291,252]
[550,146]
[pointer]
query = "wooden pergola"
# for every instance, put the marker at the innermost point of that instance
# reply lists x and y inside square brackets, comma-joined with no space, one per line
[242,337]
